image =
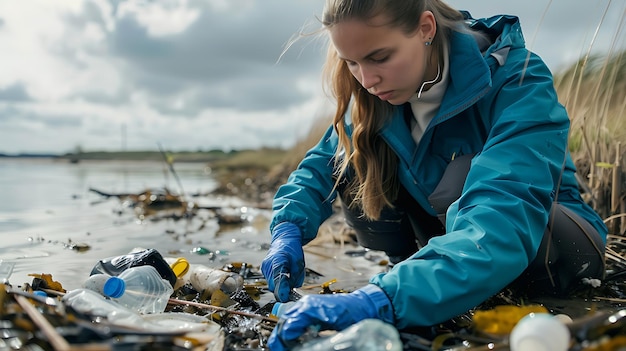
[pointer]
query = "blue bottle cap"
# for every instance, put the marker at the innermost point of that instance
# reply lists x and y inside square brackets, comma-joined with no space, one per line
[114,287]
[275,309]
[40,293]
[280,308]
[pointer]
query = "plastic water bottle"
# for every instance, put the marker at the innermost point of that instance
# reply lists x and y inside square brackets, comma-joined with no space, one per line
[367,335]
[203,278]
[91,303]
[105,285]
[144,290]
[114,266]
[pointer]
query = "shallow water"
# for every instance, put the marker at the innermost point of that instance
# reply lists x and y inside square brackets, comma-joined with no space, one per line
[47,206]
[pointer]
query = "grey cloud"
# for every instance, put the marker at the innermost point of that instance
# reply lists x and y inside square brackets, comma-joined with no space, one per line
[14,93]
[9,114]
[261,92]
[228,60]
[12,115]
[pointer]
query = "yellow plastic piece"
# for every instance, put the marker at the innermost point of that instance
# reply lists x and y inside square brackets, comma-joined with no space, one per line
[180,267]
[502,319]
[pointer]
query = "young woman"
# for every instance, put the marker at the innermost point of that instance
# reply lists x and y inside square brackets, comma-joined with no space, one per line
[448,151]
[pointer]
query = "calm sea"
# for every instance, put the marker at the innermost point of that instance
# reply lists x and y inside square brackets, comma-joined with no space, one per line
[47,208]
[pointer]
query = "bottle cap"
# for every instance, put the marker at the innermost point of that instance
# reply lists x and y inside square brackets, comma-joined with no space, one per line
[40,293]
[280,308]
[114,287]
[180,267]
[276,309]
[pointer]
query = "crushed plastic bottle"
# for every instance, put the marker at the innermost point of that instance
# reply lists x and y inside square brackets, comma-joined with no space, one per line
[91,303]
[94,304]
[367,335]
[203,278]
[143,290]
[114,266]
[139,288]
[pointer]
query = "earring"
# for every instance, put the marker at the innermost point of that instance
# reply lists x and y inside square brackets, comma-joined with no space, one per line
[429,42]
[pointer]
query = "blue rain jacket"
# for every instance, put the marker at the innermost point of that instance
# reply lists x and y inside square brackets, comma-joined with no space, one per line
[501,105]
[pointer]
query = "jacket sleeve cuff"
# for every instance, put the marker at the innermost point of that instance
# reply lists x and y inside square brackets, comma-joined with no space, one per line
[286,231]
[380,302]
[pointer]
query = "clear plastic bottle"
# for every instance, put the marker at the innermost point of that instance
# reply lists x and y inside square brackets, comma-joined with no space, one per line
[204,278]
[145,291]
[367,335]
[91,303]
[106,285]
[114,266]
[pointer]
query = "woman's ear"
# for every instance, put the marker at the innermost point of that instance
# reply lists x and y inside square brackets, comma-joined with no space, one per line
[427,27]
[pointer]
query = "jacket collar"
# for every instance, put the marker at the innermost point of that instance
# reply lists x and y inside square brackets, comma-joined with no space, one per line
[470,75]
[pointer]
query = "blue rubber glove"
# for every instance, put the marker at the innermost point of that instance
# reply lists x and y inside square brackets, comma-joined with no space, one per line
[283,267]
[330,312]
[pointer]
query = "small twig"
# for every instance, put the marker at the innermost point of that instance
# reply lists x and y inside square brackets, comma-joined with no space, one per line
[198,304]
[56,340]
[171,167]
[313,252]
[610,299]
[222,309]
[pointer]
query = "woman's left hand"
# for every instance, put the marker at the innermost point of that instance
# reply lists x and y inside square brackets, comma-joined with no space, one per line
[330,312]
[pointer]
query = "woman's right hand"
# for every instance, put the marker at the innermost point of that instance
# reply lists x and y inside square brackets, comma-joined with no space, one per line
[283,267]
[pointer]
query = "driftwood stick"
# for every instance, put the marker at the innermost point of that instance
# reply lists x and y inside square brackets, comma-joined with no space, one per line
[56,340]
[102,193]
[200,305]
[222,309]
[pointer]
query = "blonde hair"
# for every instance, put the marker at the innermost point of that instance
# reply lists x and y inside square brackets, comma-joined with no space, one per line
[375,184]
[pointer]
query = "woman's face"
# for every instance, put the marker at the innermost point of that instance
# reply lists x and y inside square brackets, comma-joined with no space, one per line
[388,62]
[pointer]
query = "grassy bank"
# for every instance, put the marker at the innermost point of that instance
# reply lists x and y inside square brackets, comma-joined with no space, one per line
[594,92]
[262,158]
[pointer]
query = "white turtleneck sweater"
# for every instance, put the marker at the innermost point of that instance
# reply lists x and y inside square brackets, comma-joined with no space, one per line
[425,108]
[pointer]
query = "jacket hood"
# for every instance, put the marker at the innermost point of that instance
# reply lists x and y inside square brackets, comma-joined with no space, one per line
[503,31]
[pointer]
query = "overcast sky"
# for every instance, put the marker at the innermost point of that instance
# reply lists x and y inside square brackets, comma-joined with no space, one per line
[205,74]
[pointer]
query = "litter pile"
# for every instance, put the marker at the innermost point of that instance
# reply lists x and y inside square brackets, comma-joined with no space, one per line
[145,301]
